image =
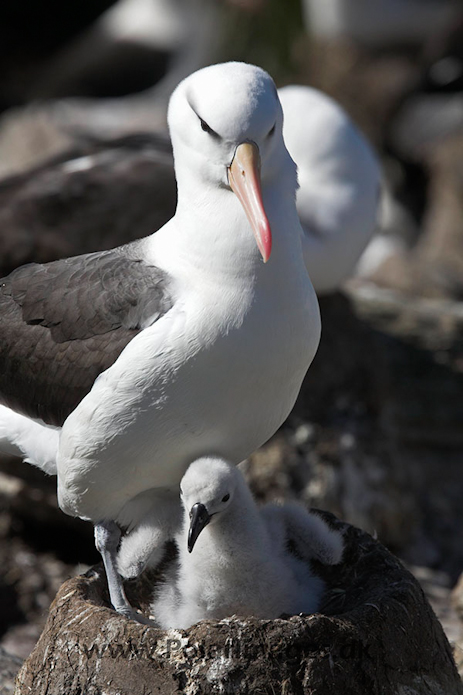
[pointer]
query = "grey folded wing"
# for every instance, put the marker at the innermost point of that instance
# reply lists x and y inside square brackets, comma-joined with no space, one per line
[63,323]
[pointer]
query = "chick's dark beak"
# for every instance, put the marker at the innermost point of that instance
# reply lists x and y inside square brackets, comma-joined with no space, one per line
[199,519]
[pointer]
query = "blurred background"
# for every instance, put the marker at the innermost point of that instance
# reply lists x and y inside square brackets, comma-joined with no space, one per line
[85,164]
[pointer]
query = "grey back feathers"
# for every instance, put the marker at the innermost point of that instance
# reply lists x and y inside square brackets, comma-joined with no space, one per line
[242,562]
[64,322]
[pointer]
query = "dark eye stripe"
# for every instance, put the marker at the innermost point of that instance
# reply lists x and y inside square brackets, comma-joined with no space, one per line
[207,129]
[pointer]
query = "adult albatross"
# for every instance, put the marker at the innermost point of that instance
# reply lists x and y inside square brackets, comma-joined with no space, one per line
[339,184]
[119,368]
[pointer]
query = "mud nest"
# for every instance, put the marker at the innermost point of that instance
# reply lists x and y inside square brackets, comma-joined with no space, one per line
[375,633]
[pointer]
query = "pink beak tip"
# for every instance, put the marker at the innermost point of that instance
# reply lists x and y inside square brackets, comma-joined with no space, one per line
[265,246]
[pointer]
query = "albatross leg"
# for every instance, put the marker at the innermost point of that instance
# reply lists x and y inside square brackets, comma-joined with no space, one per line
[107,537]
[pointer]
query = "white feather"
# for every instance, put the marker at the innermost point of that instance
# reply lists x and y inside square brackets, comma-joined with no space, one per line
[33,441]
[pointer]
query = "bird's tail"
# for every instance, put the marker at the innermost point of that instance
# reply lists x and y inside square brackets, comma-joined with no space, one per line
[36,443]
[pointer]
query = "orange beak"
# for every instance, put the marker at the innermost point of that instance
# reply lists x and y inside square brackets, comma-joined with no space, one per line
[244,180]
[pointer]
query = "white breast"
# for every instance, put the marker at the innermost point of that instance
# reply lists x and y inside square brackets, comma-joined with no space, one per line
[209,377]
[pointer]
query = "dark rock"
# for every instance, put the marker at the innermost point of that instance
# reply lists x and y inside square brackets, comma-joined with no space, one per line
[376,634]
[28,39]
[433,266]
[457,604]
[9,667]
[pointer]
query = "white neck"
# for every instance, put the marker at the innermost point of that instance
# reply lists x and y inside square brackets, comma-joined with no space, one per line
[211,234]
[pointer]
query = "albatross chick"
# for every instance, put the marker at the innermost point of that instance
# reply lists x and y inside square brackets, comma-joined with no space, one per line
[237,559]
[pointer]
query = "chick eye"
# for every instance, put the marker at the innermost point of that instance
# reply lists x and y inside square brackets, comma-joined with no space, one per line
[226,497]
[272,130]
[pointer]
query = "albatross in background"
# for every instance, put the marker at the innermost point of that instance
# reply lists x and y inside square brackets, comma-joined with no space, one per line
[339,184]
[119,368]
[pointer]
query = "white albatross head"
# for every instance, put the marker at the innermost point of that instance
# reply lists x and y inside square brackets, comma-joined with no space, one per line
[339,184]
[226,124]
[207,490]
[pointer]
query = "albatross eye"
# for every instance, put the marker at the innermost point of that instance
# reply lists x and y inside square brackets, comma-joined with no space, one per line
[272,130]
[207,129]
[226,497]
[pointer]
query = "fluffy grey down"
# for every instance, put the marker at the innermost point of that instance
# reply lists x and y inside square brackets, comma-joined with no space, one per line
[245,561]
